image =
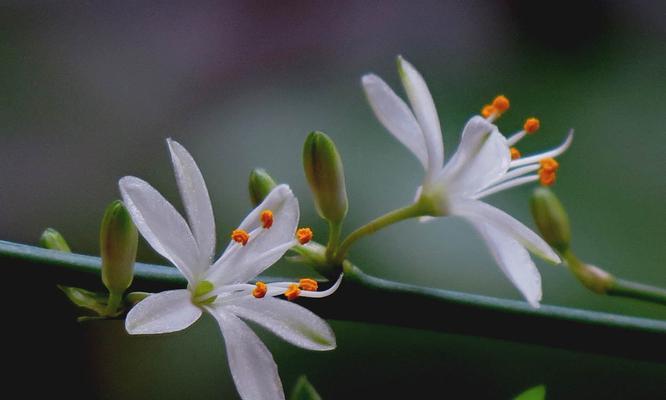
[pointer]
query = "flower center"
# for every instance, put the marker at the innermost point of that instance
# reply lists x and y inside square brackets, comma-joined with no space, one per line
[240,236]
[201,290]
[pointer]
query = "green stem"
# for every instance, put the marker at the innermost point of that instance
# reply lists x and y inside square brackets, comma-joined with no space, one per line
[625,288]
[113,303]
[334,231]
[410,211]
[369,299]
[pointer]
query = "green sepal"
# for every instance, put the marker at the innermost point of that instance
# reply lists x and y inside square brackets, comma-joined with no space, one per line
[303,390]
[93,301]
[53,240]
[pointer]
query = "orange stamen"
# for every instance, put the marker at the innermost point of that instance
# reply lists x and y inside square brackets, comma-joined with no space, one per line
[547,172]
[501,103]
[531,125]
[308,284]
[292,292]
[515,154]
[267,219]
[260,290]
[549,165]
[547,178]
[240,236]
[487,110]
[304,235]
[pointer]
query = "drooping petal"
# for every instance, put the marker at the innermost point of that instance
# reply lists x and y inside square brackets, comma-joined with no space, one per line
[503,222]
[513,259]
[479,144]
[162,226]
[396,116]
[425,112]
[265,246]
[163,312]
[251,364]
[291,322]
[195,197]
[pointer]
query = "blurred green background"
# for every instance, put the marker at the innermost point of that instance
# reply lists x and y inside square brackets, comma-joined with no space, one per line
[90,91]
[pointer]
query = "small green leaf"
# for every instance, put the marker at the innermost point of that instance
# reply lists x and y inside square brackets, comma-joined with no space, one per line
[95,302]
[303,390]
[53,240]
[535,393]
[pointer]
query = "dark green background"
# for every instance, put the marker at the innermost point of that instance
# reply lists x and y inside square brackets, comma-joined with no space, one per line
[91,90]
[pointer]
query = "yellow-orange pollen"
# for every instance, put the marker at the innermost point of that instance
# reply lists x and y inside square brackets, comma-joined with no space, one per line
[548,171]
[240,236]
[292,292]
[308,284]
[304,235]
[515,154]
[267,219]
[487,110]
[531,125]
[260,290]
[501,103]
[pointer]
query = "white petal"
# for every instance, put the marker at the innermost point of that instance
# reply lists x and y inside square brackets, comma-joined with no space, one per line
[195,199]
[265,246]
[503,222]
[163,312]
[162,226]
[550,153]
[514,261]
[250,362]
[291,322]
[425,112]
[481,158]
[394,114]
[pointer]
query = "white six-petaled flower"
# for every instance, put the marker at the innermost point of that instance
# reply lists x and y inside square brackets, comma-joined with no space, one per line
[220,287]
[481,166]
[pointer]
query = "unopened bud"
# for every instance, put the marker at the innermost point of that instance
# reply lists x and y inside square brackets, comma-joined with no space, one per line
[53,240]
[551,218]
[260,184]
[118,241]
[325,174]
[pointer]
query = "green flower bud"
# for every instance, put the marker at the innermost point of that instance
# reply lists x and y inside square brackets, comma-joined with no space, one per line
[260,184]
[303,390]
[118,241]
[53,240]
[551,218]
[323,169]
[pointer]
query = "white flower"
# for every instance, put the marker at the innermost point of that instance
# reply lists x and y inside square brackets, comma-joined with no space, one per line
[481,166]
[220,287]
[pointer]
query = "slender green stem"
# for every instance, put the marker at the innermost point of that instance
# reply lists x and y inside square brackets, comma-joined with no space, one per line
[410,211]
[370,299]
[115,299]
[334,231]
[625,288]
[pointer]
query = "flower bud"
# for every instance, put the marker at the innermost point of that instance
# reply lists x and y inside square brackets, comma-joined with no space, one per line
[323,169]
[260,184]
[551,218]
[53,240]
[118,241]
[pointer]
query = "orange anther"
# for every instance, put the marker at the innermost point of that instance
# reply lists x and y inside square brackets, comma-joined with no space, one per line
[308,284]
[549,165]
[292,292]
[547,178]
[260,290]
[531,125]
[501,103]
[487,110]
[267,218]
[304,235]
[240,236]
[515,154]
